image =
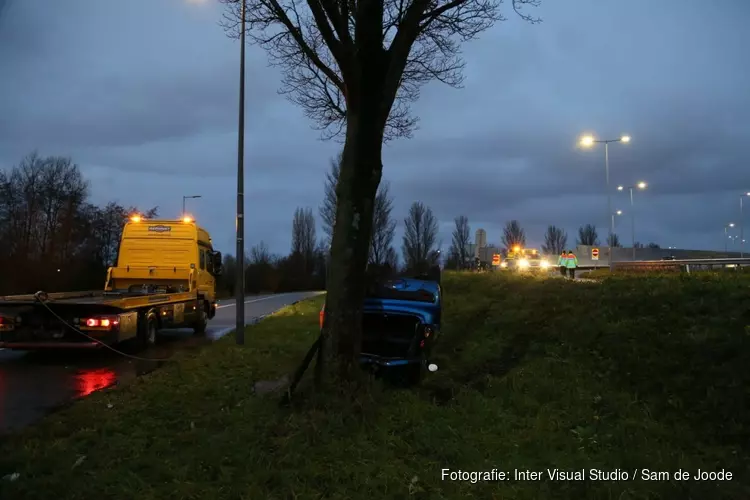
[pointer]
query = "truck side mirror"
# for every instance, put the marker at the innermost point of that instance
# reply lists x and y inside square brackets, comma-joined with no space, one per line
[217,263]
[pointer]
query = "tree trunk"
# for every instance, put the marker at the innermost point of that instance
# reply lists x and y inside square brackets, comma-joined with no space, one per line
[361,169]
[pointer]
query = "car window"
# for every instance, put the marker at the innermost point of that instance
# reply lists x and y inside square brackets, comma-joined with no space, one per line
[203,259]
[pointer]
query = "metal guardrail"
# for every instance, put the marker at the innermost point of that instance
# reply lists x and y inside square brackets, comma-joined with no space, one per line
[681,264]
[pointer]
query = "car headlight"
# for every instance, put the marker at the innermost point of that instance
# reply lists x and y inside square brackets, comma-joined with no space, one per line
[523,263]
[544,263]
[504,264]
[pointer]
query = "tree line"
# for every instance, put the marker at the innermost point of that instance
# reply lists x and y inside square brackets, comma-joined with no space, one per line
[56,239]
[555,241]
[53,237]
[308,263]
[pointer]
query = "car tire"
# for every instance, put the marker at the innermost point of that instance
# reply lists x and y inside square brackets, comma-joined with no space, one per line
[412,374]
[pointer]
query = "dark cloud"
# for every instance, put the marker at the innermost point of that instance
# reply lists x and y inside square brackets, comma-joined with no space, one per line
[143,95]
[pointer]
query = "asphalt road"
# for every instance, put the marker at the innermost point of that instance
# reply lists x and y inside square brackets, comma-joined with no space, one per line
[34,383]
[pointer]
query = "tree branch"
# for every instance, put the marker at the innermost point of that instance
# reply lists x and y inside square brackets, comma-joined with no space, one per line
[319,51]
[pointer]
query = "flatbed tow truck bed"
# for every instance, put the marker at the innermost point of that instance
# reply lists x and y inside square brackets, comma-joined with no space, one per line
[57,320]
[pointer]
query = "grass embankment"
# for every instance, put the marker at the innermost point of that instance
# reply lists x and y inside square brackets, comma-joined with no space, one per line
[646,373]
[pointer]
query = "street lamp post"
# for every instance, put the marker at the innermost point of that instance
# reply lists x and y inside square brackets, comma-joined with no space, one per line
[240,283]
[640,185]
[589,141]
[742,226]
[619,212]
[726,236]
[188,198]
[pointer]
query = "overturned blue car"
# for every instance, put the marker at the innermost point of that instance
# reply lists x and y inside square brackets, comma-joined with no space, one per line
[401,323]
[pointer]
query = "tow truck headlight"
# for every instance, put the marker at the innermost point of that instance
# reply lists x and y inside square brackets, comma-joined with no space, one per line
[544,264]
[523,263]
[503,264]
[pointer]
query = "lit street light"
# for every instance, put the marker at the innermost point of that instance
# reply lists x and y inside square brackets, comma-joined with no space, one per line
[188,198]
[742,226]
[588,141]
[619,212]
[726,235]
[641,185]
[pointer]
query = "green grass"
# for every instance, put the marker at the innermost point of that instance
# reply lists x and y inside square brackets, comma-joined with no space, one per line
[631,373]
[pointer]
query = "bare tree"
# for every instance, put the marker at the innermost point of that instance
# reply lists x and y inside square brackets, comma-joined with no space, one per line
[391,259]
[356,66]
[260,254]
[587,235]
[53,238]
[513,234]
[654,246]
[383,224]
[613,240]
[461,237]
[328,209]
[420,236]
[555,240]
[303,236]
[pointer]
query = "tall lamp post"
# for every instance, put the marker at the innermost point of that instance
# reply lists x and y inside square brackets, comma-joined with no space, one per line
[588,141]
[188,198]
[640,185]
[240,283]
[742,226]
[726,236]
[619,212]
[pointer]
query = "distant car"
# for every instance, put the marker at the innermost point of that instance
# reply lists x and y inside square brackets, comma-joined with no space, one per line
[669,257]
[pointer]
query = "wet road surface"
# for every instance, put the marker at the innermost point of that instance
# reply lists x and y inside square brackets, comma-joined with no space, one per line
[34,383]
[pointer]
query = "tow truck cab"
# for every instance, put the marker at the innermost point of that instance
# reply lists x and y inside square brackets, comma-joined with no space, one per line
[167,254]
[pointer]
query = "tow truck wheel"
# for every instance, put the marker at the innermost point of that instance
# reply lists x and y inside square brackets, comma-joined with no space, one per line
[147,337]
[202,323]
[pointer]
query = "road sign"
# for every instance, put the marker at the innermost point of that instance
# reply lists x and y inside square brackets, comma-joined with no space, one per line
[594,254]
[496,259]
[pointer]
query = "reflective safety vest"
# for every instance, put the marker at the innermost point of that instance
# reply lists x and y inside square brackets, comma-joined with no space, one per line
[562,259]
[571,261]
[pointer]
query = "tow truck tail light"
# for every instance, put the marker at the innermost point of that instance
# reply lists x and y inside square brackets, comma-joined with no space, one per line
[100,322]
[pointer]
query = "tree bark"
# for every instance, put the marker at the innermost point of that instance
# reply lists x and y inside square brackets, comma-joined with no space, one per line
[368,108]
[361,170]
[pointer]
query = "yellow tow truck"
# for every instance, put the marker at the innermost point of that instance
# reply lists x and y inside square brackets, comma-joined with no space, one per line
[165,277]
[525,259]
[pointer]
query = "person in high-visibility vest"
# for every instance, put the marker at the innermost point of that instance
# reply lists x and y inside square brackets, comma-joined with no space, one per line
[561,262]
[571,262]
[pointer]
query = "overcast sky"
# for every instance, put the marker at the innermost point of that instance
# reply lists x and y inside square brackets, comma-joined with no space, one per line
[143,96]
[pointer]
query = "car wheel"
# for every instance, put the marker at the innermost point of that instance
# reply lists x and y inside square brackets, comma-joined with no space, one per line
[413,374]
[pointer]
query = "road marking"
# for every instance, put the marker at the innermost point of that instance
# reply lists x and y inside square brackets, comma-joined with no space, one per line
[249,301]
